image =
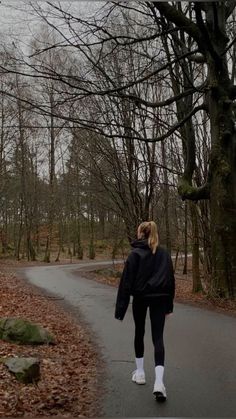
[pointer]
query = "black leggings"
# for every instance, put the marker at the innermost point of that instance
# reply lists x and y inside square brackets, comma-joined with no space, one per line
[157,311]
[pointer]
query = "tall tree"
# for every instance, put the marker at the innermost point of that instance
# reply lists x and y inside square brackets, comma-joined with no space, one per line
[175,41]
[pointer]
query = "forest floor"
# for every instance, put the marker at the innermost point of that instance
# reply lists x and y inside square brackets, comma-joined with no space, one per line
[68,384]
[69,370]
[183,294]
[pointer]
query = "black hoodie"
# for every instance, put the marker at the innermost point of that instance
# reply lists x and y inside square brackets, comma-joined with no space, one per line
[145,274]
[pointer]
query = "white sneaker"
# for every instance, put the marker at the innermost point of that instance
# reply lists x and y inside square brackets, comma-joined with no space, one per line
[159,392]
[138,377]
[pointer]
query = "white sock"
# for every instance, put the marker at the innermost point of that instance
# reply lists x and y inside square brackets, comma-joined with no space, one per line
[159,372]
[139,364]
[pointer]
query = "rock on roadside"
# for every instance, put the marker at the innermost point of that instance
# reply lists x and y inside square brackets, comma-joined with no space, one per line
[24,332]
[25,370]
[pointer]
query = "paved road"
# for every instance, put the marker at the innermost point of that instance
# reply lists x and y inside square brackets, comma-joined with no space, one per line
[200,372]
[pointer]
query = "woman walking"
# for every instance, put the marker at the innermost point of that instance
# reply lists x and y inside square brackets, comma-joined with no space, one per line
[148,276]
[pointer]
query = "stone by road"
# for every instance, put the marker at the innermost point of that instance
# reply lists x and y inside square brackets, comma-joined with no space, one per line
[200,373]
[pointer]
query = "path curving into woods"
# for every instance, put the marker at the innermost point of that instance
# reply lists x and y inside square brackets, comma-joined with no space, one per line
[200,372]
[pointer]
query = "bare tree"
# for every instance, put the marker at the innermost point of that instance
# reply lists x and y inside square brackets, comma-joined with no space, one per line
[170,49]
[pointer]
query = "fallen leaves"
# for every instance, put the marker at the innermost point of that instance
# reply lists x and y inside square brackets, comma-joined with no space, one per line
[183,292]
[68,384]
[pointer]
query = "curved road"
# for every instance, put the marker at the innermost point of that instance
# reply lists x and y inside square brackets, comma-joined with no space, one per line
[200,371]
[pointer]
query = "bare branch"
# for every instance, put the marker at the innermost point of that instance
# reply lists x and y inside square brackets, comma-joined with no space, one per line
[169,101]
[179,124]
[230,6]
[180,20]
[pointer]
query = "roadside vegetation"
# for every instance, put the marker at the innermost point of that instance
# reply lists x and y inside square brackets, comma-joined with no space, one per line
[69,370]
[184,286]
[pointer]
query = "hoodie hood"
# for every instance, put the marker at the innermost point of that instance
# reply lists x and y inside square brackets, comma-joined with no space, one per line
[140,244]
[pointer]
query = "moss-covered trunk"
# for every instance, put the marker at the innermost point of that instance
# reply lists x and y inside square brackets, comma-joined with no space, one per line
[223,198]
[222,181]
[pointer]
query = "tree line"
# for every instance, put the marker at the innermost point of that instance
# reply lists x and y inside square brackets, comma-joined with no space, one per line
[133,109]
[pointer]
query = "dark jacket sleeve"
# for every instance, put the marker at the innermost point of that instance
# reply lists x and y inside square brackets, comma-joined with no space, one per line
[125,286]
[170,303]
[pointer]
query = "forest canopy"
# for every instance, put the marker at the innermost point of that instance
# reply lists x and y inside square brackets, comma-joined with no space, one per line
[122,116]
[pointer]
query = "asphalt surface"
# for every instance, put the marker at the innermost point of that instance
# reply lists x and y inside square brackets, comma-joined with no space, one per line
[200,372]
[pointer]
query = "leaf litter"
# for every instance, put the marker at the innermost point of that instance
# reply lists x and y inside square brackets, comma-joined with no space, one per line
[183,294]
[69,370]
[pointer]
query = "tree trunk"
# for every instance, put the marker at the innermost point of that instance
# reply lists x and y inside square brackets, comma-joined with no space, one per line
[91,243]
[47,249]
[102,223]
[166,198]
[222,166]
[197,286]
[31,254]
[20,230]
[223,200]
[185,238]
[51,180]
[205,243]
[79,250]
[176,259]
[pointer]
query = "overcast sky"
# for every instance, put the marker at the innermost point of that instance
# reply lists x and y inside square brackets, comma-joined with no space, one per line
[18,23]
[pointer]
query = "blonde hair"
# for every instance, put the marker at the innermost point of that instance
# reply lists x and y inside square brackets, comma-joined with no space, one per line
[148,230]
